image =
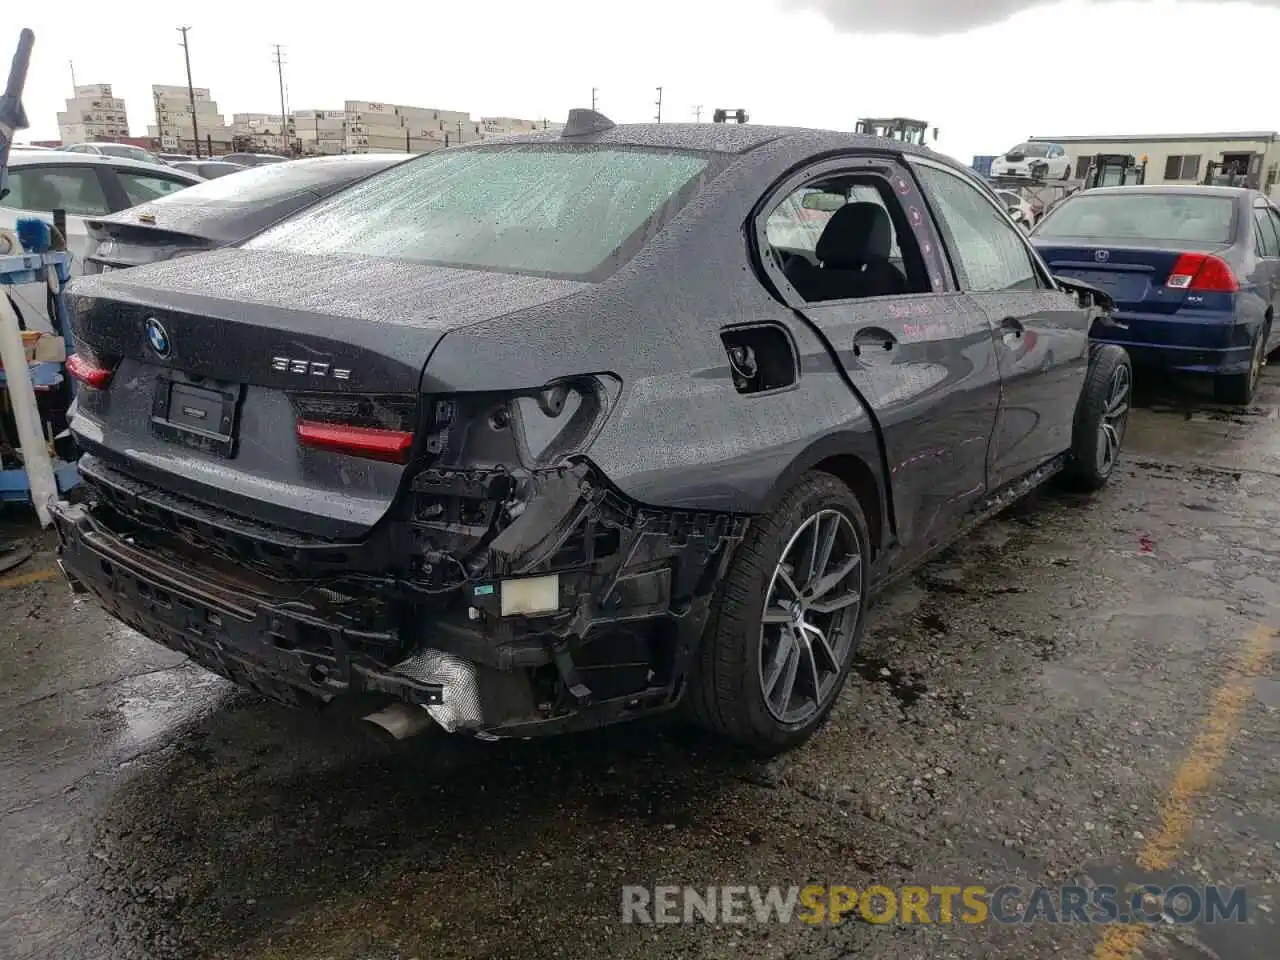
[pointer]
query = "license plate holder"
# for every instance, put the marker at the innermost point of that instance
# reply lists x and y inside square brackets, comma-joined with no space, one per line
[201,415]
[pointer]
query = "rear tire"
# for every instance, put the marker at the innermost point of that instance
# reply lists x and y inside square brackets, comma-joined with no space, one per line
[768,624]
[1102,416]
[1238,388]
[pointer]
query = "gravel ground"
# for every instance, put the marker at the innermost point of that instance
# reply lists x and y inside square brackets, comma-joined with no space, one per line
[1056,700]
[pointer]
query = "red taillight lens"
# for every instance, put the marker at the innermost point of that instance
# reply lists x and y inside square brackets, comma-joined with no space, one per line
[371,443]
[88,372]
[1202,272]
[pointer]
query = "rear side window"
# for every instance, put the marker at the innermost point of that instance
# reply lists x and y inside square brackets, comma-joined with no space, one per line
[145,187]
[1153,217]
[576,212]
[76,190]
[1268,242]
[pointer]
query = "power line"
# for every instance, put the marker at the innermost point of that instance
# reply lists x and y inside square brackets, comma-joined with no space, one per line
[191,91]
[658,104]
[284,116]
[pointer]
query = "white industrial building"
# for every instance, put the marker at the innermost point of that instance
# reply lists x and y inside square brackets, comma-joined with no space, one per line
[173,127]
[93,113]
[1185,157]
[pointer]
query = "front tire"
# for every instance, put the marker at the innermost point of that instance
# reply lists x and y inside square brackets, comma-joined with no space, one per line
[786,620]
[1102,416]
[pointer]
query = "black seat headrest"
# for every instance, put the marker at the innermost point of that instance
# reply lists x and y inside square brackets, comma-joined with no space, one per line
[856,234]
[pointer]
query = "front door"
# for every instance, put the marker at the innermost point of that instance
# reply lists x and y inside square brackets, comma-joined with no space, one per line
[918,352]
[1041,335]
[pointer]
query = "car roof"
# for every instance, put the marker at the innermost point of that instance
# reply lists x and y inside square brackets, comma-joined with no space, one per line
[730,138]
[1190,189]
[18,158]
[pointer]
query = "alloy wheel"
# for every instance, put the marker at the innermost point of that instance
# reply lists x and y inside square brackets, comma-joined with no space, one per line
[1115,416]
[811,607]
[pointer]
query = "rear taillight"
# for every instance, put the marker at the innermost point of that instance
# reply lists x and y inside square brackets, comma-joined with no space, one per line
[371,443]
[372,426]
[88,371]
[1202,272]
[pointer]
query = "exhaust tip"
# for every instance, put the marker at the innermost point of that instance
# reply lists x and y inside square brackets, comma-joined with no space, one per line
[396,721]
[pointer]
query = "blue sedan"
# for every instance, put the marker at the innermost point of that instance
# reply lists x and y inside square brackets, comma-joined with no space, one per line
[1194,271]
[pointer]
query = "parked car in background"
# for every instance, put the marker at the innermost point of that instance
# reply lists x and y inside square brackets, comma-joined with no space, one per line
[1019,208]
[174,157]
[1194,272]
[84,185]
[534,436]
[253,159]
[221,211]
[209,169]
[1039,161]
[124,150]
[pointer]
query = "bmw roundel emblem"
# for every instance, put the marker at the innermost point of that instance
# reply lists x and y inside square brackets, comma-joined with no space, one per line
[158,337]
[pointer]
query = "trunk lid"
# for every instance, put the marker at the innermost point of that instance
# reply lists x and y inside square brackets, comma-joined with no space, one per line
[218,358]
[1136,277]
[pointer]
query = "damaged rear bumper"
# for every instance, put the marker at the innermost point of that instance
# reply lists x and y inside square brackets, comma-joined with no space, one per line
[626,621]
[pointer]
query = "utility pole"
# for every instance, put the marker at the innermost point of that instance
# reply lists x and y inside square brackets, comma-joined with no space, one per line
[594,90]
[155,96]
[191,91]
[72,64]
[658,104]
[284,117]
[697,113]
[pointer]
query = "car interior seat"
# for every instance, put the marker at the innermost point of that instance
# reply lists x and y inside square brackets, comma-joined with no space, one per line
[854,252]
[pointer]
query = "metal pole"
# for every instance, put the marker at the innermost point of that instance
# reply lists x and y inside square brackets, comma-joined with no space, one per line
[593,97]
[284,122]
[697,114]
[155,98]
[658,102]
[191,91]
[72,64]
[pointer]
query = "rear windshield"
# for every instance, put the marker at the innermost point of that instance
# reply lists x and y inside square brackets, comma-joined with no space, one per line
[1143,216]
[569,211]
[256,184]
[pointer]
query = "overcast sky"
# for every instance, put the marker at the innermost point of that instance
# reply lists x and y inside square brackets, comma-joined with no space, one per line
[986,72]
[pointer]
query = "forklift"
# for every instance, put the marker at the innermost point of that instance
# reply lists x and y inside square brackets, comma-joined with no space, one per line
[1235,170]
[896,128]
[1115,170]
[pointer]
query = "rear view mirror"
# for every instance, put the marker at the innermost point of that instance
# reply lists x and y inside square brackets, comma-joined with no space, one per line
[826,202]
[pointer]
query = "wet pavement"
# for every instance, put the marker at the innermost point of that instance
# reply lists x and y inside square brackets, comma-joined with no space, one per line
[1081,692]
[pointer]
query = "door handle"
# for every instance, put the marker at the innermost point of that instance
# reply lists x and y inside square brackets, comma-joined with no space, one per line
[1011,325]
[873,338]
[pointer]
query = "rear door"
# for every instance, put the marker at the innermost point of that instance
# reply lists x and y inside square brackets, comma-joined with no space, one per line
[1041,334]
[36,190]
[922,361]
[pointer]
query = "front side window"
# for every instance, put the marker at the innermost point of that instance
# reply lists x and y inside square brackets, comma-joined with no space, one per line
[577,212]
[1030,150]
[987,250]
[76,190]
[145,187]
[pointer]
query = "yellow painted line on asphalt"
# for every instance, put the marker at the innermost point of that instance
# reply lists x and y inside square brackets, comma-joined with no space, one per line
[1193,778]
[22,579]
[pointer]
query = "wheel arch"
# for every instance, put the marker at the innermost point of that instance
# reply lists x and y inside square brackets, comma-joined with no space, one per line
[854,458]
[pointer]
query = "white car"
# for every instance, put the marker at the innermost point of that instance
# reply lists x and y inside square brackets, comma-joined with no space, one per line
[1023,213]
[84,185]
[1035,161]
[126,150]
